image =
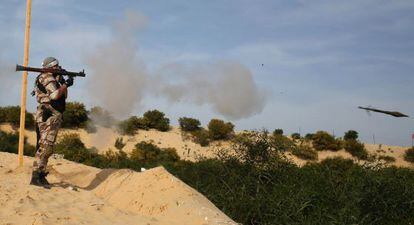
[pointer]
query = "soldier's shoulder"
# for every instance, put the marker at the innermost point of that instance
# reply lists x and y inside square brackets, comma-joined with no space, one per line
[45,78]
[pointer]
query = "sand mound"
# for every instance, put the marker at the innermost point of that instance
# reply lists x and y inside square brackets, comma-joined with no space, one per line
[87,195]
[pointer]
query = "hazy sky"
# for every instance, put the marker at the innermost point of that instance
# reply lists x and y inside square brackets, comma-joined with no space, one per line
[321,59]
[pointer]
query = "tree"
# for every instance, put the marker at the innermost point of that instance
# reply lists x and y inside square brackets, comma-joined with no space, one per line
[351,135]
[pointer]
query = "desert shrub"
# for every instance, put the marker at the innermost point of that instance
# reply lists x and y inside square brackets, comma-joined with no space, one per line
[102,117]
[128,126]
[118,159]
[9,142]
[351,135]
[282,143]
[336,191]
[11,114]
[278,132]
[409,155]
[157,120]
[356,149]
[309,136]
[201,137]
[220,130]
[257,149]
[119,143]
[305,152]
[295,136]
[386,158]
[143,123]
[169,154]
[148,153]
[71,146]
[189,124]
[322,140]
[75,115]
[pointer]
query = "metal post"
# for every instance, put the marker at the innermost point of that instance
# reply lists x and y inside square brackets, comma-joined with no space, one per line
[373,138]
[24,82]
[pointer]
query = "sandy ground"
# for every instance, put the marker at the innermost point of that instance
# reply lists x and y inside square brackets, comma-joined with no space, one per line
[87,195]
[104,139]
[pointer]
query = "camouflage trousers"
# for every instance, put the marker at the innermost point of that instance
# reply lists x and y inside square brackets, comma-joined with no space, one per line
[48,122]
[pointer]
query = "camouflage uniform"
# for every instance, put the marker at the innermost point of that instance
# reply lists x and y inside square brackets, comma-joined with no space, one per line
[48,119]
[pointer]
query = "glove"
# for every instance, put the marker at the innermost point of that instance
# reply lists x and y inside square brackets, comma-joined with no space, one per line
[69,82]
[60,79]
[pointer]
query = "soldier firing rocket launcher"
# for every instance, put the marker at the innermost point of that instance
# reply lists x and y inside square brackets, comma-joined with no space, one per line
[58,71]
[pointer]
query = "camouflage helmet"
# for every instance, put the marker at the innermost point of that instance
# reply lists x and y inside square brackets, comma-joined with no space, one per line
[50,62]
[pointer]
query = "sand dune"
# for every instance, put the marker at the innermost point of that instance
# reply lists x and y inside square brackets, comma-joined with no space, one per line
[87,195]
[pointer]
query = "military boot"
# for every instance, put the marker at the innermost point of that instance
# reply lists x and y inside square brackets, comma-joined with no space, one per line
[38,179]
[42,178]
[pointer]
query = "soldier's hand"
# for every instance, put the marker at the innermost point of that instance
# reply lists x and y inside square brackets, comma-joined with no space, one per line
[60,79]
[69,81]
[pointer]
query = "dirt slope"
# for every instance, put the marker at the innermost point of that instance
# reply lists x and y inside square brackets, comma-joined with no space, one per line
[87,195]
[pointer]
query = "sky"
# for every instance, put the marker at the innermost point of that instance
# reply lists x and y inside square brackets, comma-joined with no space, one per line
[298,65]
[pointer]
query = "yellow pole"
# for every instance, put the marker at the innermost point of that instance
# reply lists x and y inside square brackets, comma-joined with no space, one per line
[24,81]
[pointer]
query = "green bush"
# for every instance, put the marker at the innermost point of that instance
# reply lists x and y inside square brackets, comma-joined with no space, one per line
[351,135]
[409,155]
[387,158]
[356,149]
[295,136]
[75,115]
[143,123]
[11,114]
[305,152]
[129,126]
[321,140]
[257,149]
[309,136]
[282,143]
[71,146]
[119,159]
[278,132]
[220,130]
[9,142]
[189,124]
[335,191]
[201,137]
[157,120]
[148,153]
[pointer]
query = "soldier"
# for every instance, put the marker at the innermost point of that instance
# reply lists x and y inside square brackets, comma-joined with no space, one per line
[51,94]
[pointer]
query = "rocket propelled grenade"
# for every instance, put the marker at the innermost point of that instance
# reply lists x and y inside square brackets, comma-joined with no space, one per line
[59,71]
[392,113]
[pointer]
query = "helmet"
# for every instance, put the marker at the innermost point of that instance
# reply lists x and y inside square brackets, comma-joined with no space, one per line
[50,62]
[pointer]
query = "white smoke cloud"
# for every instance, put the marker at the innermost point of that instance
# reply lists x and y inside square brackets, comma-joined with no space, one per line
[119,76]
[120,79]
[227,86]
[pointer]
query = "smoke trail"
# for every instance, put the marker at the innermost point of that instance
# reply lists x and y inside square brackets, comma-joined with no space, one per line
[119,76]
[120,79]
[9,83]
[227,86]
